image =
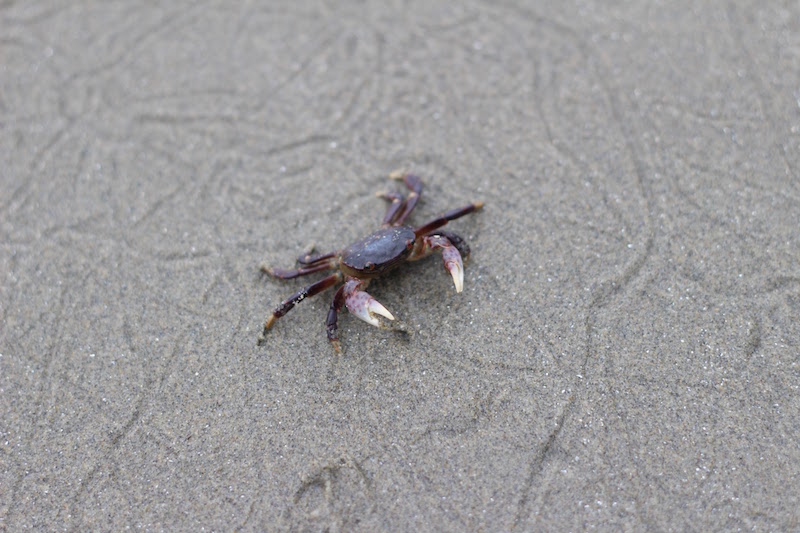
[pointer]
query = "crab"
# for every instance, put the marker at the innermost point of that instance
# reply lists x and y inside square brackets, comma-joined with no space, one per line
[372,256]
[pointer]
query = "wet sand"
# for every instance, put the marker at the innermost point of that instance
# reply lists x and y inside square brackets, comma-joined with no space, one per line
[624,355]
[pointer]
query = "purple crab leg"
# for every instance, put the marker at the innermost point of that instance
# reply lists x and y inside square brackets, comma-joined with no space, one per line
[331,324]
[296,272]
[309,259]
[415,185]
[299,296]
[450,256]
[437,223]
[397,203]
[362,304]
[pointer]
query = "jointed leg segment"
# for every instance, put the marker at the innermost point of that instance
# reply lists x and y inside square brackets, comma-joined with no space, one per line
[397,202]
[297,272]
[310,263]
[299,296]
[437,223]
[311,258]
[415,186]
[401,206]
[331,323]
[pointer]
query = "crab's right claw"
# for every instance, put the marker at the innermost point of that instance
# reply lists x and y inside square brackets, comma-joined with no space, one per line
[454,265]
[366,307]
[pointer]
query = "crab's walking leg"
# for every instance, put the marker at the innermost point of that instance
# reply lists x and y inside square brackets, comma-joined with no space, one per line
[437,223]
[397,203]
[331,323]
[311,258]
[296,272]
[299,296]
[362,304]
[450,256]
[415,185]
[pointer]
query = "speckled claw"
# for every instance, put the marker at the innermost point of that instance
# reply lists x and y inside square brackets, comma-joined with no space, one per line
[450,256]
[454,265]
[366,307]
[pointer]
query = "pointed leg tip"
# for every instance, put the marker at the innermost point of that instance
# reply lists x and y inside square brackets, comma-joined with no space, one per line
[337,347]
[270,271]
[478,205]
[262,337]
[397,174]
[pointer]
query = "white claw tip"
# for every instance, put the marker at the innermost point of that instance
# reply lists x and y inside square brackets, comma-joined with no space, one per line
[457,271]
[378,309]
[454,265]
[366,308]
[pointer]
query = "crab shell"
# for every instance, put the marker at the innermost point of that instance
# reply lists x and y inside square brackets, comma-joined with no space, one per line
[378,252]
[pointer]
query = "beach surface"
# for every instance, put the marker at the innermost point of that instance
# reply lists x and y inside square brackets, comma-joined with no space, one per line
[625,354]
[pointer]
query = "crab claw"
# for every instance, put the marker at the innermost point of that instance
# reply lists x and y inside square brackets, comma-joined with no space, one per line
[366,307]
[454,265]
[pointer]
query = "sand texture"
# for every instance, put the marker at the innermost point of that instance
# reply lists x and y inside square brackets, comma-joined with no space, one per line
[625,355]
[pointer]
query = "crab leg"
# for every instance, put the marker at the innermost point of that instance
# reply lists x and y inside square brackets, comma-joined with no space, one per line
[299,296]
[397,203]
[450,256]
[415,186]
[297,272]
[437,223]
[331,323]
[362,304]
[309,258]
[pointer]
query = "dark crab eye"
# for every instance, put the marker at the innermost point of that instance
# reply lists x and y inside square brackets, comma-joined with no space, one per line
[369,265]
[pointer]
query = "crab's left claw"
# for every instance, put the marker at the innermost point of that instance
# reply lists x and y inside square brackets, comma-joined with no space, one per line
[454,265]
[366,307]
[450,256]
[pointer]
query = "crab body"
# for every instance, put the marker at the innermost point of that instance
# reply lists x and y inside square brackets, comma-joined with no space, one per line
[378,252]
[374,255]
